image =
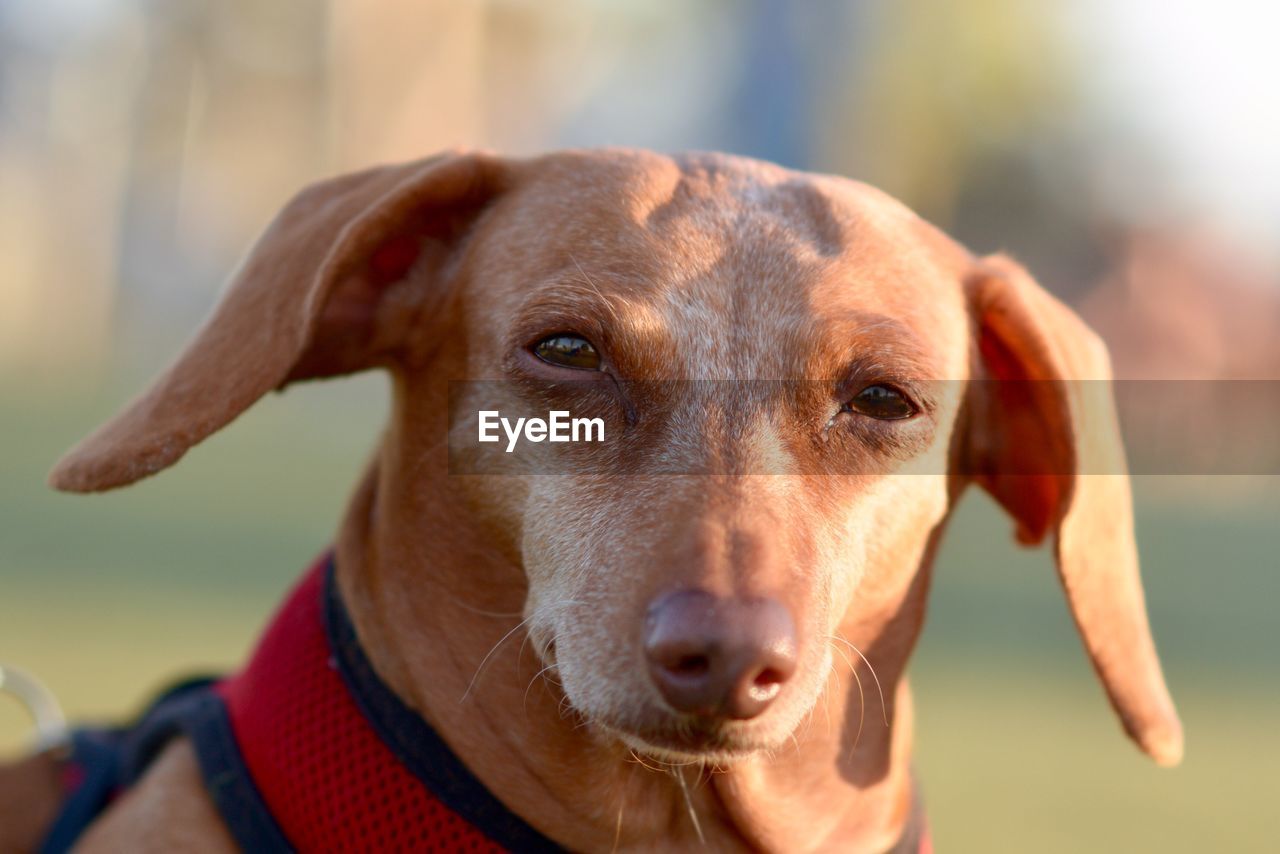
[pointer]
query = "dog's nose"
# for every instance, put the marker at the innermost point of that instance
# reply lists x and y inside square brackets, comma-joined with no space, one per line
[719,657]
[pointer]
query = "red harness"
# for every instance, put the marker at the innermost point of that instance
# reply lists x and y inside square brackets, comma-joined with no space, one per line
[307,749]
[327,777]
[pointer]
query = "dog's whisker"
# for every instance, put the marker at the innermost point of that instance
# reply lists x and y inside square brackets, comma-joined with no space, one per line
[501,641]
[884,709]
[665,766]
[688,802]
[565,709]
[862,701]
[668,764]
[489,655]
[520,652]
[622,803]
[640,760]
[524,701]
[826,694]
[506,615]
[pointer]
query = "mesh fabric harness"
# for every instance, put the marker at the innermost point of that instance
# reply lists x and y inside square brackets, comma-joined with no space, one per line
[328,768]
[307,749]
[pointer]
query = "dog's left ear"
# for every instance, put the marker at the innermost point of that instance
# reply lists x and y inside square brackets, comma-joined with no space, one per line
[331,287]
[1045,442]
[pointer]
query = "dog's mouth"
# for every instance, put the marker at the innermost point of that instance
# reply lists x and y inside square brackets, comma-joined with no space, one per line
[704,741]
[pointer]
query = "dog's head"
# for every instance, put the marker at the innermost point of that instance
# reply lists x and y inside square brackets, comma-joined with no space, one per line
[795,377]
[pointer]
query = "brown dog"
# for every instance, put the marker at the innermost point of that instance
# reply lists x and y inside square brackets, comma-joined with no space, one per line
[694,615]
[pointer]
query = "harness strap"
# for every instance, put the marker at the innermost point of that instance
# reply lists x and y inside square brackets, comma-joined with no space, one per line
[307,749]
[339,760]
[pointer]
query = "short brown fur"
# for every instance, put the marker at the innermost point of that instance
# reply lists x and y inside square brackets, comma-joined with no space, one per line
[700,267]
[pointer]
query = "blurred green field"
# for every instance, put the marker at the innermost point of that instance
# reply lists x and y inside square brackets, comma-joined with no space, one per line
[108,597]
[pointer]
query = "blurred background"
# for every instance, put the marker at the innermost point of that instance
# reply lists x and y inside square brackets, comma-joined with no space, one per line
[1125,151]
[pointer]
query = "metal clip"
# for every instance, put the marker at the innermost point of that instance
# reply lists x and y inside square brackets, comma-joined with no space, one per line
[51,724]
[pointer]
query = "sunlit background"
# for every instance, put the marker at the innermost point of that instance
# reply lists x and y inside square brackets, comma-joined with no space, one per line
[1127,151]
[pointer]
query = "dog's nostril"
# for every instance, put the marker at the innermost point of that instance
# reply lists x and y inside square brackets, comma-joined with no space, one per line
[769,678]
[691,665]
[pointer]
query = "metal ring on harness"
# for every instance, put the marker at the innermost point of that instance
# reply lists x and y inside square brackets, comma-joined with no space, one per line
[51,724]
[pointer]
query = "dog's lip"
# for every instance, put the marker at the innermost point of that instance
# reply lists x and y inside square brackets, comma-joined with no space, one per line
[692,739]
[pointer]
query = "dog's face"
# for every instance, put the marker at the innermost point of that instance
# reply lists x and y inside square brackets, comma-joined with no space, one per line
[763,348]
[781,364]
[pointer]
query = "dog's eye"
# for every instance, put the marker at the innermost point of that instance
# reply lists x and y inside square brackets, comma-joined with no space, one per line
[882,402]
[566,350]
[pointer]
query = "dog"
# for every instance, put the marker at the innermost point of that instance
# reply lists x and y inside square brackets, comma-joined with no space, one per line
[694,634]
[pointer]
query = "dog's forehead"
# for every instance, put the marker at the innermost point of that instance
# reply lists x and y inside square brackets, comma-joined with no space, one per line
[734,254]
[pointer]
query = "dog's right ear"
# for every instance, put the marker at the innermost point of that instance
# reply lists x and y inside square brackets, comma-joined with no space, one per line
[328,289]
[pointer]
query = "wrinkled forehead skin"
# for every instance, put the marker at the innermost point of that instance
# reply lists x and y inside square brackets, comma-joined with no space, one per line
[707,266]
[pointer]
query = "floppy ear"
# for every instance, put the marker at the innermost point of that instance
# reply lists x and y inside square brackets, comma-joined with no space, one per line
[329,288]
[1045,443]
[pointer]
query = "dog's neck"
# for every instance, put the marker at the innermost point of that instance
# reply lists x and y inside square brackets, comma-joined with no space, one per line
[438,612]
